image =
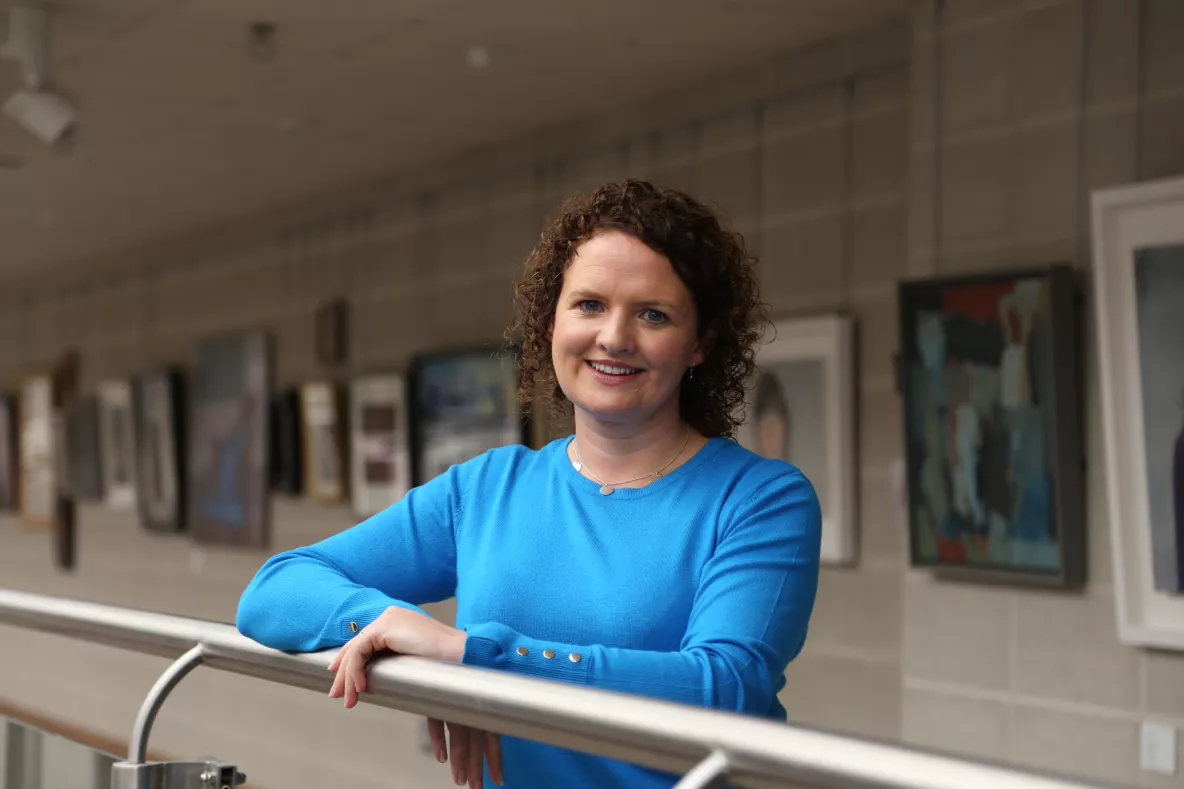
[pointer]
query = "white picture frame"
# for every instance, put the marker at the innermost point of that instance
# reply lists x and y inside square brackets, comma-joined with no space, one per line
[117,444]
[1133,227]
[380,452]
[807,364]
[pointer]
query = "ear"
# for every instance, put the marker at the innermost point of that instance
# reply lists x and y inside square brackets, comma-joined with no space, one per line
[703,347]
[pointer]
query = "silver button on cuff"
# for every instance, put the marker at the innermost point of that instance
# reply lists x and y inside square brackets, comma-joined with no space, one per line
[548,653]
[523,651]
[574,657]
[353,627]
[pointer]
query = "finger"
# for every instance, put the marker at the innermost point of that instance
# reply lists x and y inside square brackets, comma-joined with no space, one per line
[439,745]
[476,759]
[351,680]
[493,756]
[338,686]
[336,659]
[458,739]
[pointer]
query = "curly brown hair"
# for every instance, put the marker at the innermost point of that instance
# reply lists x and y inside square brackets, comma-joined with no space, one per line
[711,260]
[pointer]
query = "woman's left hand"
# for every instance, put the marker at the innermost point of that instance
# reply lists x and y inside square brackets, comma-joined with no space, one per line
[397,630]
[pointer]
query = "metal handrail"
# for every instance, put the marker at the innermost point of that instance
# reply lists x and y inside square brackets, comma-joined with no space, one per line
[704,743]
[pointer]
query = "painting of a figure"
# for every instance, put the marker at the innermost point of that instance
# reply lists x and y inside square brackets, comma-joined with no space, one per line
[800,408]
[991,432]
[229,444]
[464,403]
[1159,303]
[787,418]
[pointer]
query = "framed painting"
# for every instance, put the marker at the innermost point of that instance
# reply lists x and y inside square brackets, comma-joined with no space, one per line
[228,491]
[287,465]
[380,454]
[83,455]
[9,453]
[1138,245]
[323,440]
[38,472]
[158,410]
[991,386]
[117,443]
[463,403]
[800,408]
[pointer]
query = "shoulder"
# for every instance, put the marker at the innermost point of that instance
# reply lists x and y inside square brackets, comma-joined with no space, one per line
[504,463]
[765,490]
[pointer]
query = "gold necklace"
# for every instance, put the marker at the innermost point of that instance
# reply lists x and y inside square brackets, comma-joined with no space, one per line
[606,488]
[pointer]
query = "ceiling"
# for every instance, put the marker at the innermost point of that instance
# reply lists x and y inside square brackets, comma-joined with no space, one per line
[181,127]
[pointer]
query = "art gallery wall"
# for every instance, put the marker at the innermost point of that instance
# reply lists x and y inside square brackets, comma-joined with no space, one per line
[1018,110]
[963,139]
[808,155]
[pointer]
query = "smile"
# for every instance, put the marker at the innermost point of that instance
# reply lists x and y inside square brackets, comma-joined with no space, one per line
[611,369]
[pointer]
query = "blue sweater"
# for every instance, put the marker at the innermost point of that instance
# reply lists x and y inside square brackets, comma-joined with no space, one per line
[696,588]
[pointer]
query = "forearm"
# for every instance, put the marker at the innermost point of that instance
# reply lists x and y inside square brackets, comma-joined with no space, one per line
[721,676]
[300,603]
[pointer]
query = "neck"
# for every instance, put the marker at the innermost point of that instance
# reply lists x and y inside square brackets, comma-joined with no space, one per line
[616,452]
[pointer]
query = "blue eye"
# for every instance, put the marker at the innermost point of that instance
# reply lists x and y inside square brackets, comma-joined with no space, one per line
[655,316]
[589,305]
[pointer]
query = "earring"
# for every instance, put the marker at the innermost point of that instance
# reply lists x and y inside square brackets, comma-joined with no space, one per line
[690,373]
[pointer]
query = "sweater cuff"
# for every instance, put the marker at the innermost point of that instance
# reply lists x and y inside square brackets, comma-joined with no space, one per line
[364,609]
[493,645]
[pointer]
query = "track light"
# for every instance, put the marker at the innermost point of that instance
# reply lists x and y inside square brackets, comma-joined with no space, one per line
[46,116]
[28,36]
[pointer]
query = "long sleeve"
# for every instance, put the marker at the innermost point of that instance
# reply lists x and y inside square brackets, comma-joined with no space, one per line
[318,596]
[748,619]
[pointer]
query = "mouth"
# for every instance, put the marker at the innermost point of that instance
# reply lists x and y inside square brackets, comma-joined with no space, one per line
[613,371]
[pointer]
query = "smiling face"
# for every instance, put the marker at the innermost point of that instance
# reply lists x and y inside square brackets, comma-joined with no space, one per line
[624,331]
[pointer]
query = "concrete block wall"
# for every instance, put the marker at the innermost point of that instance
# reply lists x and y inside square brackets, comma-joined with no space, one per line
[1018,110]
[965,139]
[807,154]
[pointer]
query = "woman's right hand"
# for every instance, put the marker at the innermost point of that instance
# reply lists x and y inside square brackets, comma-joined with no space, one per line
[471,748]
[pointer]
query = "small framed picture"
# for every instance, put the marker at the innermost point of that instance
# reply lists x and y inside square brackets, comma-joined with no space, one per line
[9,453]
[800,408]
[380,452]
[1138,235]
[117,444]
[991,396]
[38,464]
[323,441]
[83,453]
[287,464]
[463,404]
[158,408]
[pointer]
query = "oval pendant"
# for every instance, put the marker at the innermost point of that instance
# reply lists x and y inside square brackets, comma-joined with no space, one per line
[577,465]
[605,490]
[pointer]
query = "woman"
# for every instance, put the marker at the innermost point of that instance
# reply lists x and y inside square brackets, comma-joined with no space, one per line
[647,553]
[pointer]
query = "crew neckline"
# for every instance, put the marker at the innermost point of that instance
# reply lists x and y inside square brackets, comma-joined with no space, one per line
[591,488]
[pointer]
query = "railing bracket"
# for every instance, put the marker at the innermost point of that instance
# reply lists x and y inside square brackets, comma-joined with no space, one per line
[707,774]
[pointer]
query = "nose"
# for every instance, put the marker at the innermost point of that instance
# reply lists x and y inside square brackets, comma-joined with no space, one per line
[616,334]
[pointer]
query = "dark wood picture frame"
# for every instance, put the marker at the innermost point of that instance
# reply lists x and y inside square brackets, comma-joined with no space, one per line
[10,478]
[287,464]
[990,379]
[455,414]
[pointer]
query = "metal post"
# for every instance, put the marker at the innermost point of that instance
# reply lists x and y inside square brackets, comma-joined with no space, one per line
[138,773]
[707,774]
